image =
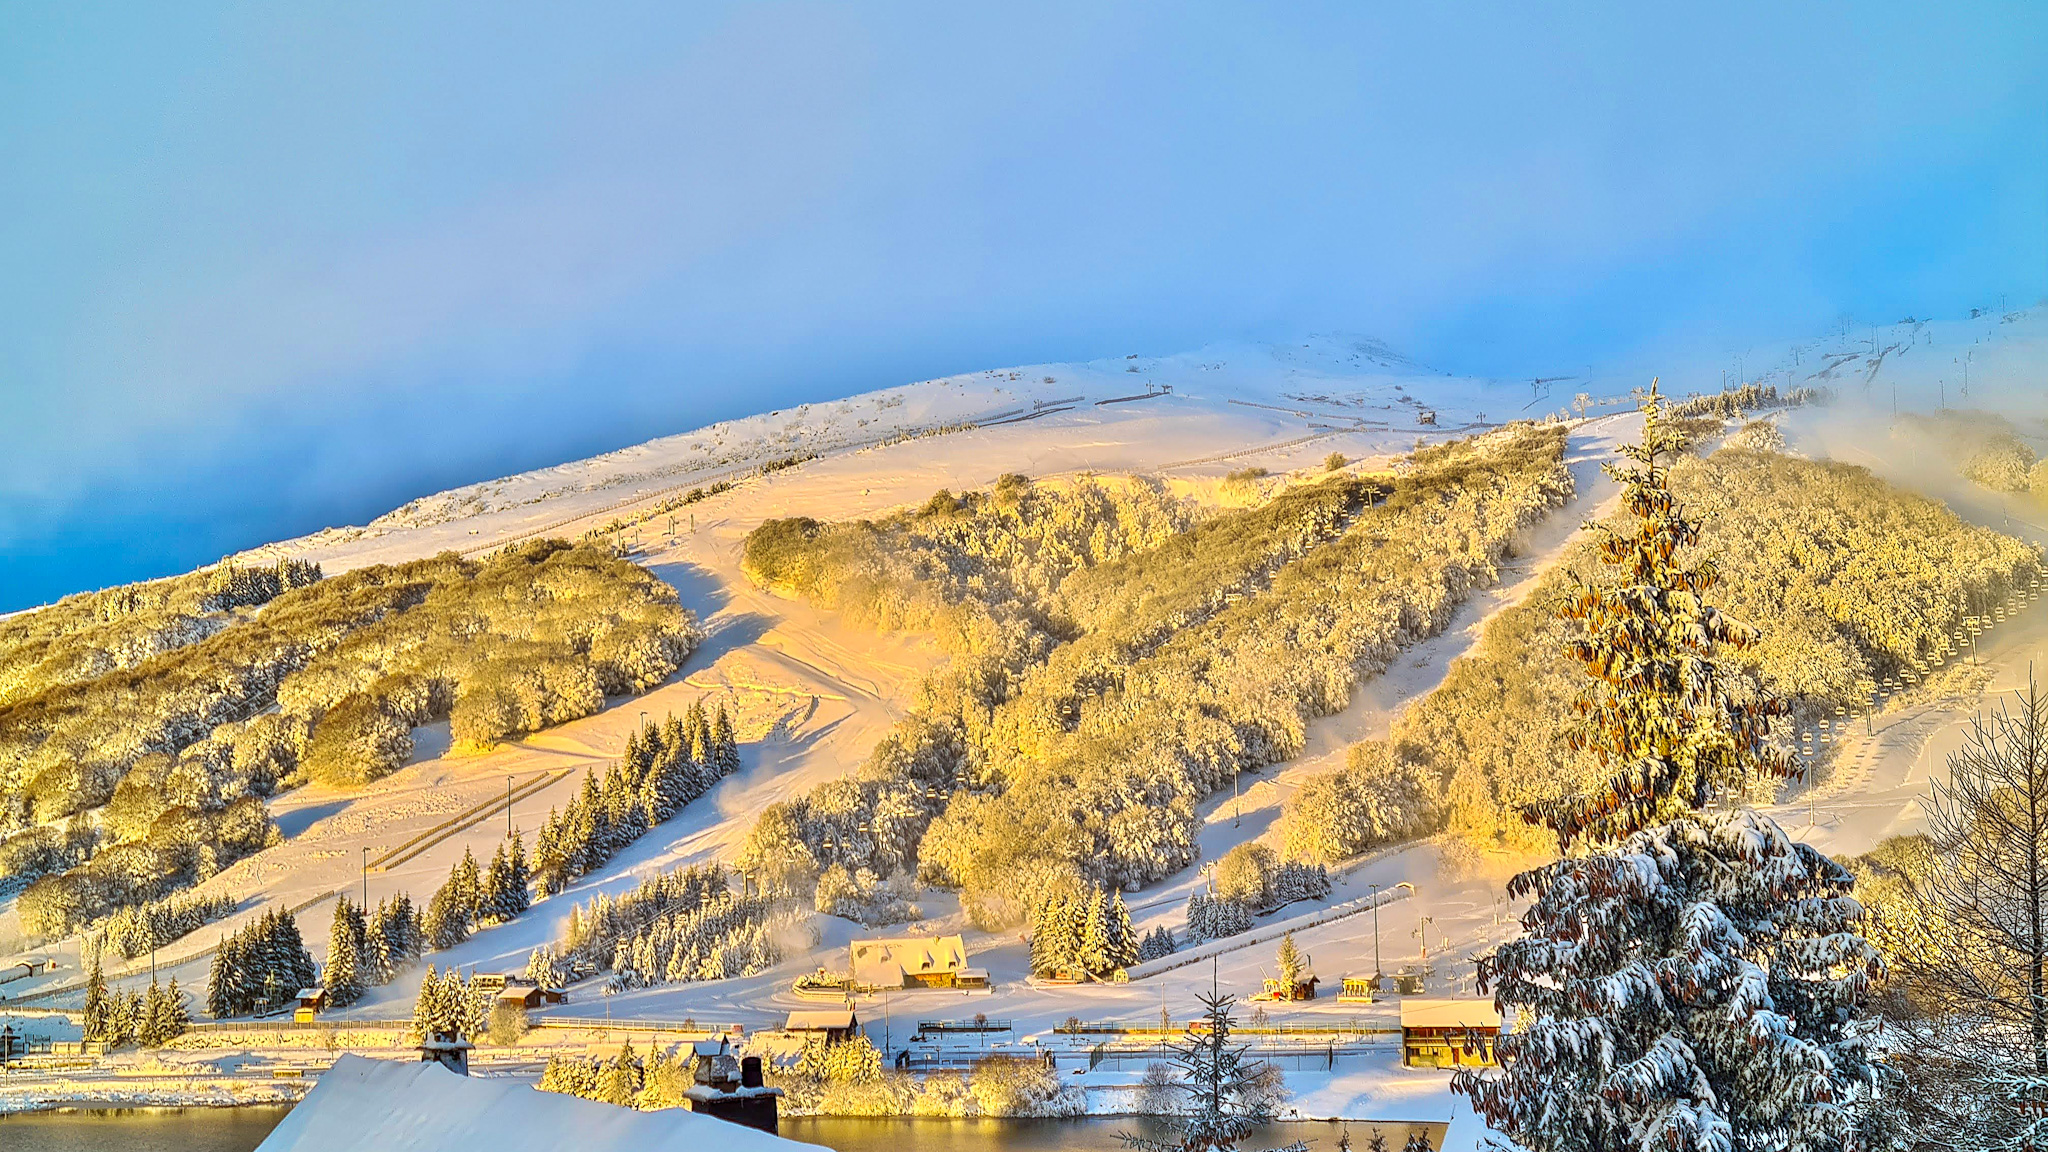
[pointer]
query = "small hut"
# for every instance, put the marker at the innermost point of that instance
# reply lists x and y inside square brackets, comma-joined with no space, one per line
[312,1002]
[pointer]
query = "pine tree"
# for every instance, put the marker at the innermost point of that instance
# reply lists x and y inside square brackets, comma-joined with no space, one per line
[1418,1141]
[1289,962]
[298,970]
[1123,940]
[379,965]
[221,993]
[516,878]
[1661,718]
[726,742]
[154,1016]
[176,1017]
[1695,987]
[1094,942]
[468,884]
[98,1017]
[1224,1098]
[447,922]
[345,948]
[427,1013]
[621,1078]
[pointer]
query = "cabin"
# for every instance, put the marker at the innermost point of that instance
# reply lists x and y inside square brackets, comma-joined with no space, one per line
[312,1002]
[1449,1033]
[834,1024]
[731,1090]
[1304,988]
[1359,990]
[914,962]
[526,994]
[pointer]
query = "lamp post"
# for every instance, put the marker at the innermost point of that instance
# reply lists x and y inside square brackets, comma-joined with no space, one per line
[508,806]
[366,877]
[1376,969]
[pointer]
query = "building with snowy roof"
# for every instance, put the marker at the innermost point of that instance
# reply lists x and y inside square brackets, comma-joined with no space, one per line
[365,1105]
[914,962]
[1448,1033]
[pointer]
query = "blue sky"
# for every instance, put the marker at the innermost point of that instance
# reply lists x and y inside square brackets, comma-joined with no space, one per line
[273,267]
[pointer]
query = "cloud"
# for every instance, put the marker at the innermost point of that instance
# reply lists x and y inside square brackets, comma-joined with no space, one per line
[383,248]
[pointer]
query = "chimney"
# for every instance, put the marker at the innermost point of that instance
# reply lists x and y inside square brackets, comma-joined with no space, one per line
[750,1072]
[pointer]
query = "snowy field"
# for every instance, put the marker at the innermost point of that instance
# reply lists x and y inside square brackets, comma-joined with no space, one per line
[811,697]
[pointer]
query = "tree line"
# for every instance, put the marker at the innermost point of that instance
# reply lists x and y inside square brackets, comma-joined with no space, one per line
[664,767]
[1848,581]
[263,965]
[1093,699]
[151,1018]
[1088,937]
[174,754]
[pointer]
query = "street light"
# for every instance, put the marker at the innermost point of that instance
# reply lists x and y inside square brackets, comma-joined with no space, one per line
[366,877]
[508,806]
[1376,969]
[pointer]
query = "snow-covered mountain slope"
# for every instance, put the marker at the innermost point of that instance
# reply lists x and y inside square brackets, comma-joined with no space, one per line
[1200,412]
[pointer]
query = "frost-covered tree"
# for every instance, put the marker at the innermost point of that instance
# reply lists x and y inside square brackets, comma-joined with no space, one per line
[1290,964]
[1694,989]
[1158,942]
[1969,983]
[346,945]
[1225,1094]
[97,1021]
[1661,719]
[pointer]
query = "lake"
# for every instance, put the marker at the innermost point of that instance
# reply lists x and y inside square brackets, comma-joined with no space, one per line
[241,1129]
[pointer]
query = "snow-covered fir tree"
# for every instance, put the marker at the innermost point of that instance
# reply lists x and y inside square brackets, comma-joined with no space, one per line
[97,1020]
[346,945]
[1692,982]
[1157,943]
[1662,715]
[664,767]
[1225,1096]
[264,964]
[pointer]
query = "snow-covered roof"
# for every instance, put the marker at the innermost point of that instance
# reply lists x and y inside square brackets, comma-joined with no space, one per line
[891,959]
[815,1019]
[1419,1013]
[395,1106]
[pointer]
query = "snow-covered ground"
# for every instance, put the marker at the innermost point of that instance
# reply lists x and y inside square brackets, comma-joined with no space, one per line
[812,696]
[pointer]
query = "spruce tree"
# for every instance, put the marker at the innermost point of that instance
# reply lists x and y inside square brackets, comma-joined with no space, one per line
[1289,962]
[344,978]
[221,994]
[98,1017]
[468,884]
[176,1017]
[297,963]
[726,741]
[1224,1098]
[1660,716]
[622,1078]
[378,964]
[517,898]
[1123,941]
[1693,987]
[1095,942]
[427,1015]
[153,1012]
